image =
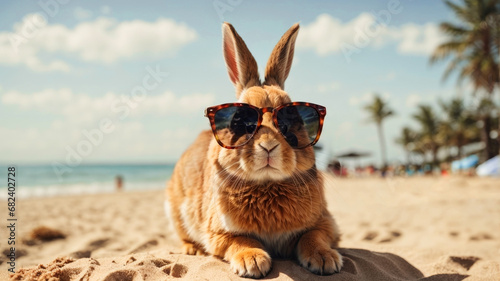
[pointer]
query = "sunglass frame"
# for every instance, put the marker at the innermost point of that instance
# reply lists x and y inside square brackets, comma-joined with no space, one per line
[211,111]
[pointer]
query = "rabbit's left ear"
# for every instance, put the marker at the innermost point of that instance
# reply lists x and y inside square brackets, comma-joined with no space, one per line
[280,61]
[241,65]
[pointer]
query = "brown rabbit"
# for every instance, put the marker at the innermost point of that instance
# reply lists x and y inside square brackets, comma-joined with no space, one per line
[264,198]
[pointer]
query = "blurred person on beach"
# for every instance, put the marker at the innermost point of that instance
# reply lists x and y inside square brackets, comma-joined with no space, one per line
[119,183]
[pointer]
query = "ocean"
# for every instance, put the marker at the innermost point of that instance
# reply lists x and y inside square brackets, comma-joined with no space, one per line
[45,180]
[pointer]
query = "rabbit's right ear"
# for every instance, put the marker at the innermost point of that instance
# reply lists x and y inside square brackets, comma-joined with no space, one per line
[240,63]
[280,61]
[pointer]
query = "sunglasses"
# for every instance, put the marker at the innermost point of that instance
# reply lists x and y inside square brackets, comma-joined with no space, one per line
[234,124]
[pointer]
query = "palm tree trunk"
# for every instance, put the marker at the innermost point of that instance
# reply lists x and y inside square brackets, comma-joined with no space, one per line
[382,144]
[497,35]
[498,133]
[435,149]
[485,135]
[498,129]
[460,144]
[460,151]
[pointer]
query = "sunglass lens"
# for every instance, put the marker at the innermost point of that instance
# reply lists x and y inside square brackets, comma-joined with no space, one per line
[235,125]
[299,124]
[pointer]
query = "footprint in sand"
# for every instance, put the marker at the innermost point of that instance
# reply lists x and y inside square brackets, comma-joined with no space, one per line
[480,236]
[156,262]
[370,235]
[392,235]
[172,269]
[175,270]
[86,252]
[99,243]
[144,246]
[123,275]
[81,254]
[19,252]
[465,262]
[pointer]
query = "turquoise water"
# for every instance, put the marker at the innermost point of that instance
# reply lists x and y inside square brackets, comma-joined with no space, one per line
[48,180]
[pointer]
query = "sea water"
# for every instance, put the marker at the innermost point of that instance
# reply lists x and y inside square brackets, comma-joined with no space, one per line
[45,180]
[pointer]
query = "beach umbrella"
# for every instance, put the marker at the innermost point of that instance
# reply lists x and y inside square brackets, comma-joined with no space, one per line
[353,154]
[465,163]
[490,167]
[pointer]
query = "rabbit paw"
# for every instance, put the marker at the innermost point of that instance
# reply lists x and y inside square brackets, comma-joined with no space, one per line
[192,249]
[255,263]
[322,261]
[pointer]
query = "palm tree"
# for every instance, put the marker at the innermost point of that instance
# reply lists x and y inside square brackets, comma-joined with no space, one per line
[484,110]
[429,128]
[459,126]
[407,140]
[474,45]
[379,110]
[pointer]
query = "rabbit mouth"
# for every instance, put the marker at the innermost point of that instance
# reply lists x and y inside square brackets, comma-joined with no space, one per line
[269,172]
[269,167]
[268,164]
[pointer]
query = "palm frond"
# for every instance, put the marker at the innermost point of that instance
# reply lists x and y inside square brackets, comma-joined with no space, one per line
[454,30]
[448,48]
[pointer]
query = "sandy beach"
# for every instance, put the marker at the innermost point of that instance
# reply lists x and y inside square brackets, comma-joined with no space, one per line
[421,228]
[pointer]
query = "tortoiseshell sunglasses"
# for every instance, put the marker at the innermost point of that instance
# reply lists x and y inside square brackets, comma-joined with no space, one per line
[234,124]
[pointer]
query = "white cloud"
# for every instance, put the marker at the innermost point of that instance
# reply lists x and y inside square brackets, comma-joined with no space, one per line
[19,46]
[327,35]
[73,113]
[103,40]
[76,107]
[418,39]
[82,108]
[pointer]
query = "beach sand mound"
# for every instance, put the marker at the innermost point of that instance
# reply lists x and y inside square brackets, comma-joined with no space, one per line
[433,229]
[358,265]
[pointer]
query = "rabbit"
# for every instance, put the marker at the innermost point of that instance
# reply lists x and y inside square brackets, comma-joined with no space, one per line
[263,200]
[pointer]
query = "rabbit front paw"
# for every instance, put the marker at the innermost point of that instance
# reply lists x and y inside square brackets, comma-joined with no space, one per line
[254,263]
[321,261]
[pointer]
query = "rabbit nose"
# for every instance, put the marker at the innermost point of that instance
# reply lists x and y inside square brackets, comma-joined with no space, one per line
[268,147]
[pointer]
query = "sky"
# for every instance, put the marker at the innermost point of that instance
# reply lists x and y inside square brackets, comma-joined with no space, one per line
[122,82]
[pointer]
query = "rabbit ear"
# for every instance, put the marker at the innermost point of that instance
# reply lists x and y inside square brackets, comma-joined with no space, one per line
[241,65]
[280,61]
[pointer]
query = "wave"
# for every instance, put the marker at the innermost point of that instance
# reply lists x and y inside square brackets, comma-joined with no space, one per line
[40,191]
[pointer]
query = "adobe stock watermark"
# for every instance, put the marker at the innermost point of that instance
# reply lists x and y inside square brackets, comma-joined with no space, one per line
[364,35]
[32,25]
[121,107]
[223,6]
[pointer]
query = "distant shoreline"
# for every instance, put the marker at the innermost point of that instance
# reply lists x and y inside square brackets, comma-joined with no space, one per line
[42,181]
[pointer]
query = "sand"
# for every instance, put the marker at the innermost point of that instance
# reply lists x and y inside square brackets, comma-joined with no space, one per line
[422,228]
